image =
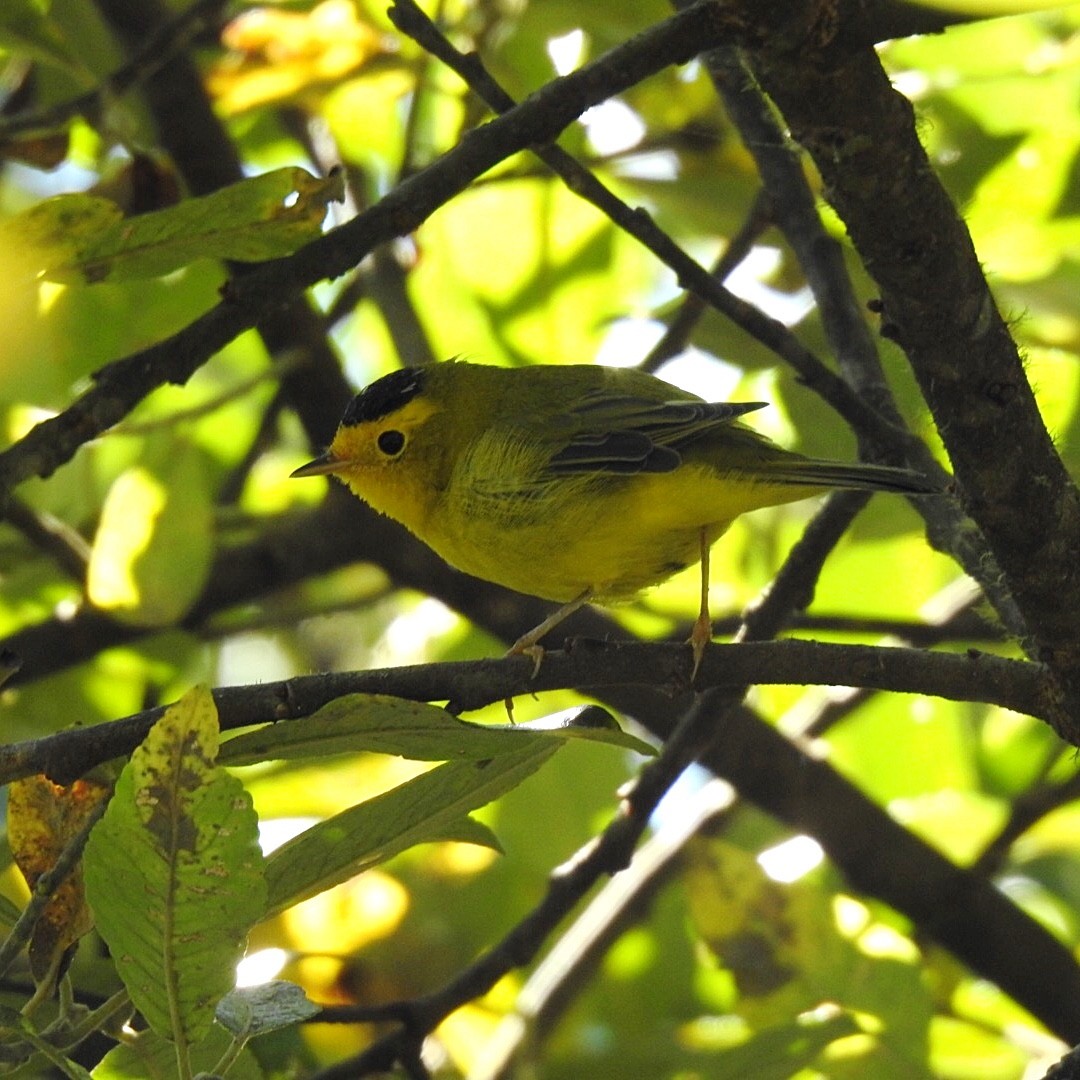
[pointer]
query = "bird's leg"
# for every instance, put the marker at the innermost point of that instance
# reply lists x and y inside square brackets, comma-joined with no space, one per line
[701,634]
[526,645]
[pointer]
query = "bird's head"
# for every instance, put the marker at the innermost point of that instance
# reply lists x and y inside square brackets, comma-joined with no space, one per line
[391,446]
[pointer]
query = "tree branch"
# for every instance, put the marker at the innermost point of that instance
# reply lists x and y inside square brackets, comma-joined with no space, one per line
[844,321]
[268,287]
[861,134]
[692,307]
[889,438]
[594,666]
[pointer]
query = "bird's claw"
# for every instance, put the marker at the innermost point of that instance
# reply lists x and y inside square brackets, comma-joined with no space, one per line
[700,637]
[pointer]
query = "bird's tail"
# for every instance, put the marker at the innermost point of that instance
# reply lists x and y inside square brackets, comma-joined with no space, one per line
[858,476]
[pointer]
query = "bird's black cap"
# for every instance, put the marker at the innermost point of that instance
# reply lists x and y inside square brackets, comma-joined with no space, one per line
[384,396]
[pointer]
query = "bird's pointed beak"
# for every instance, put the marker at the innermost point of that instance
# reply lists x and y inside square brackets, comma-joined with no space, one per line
[323,465]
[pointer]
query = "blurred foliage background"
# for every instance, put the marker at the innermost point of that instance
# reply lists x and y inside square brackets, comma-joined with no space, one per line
[748,956]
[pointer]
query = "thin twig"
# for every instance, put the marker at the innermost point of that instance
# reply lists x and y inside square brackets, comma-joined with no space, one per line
[677,335]
[953,606]
[1027,809]
[796,215]
[411,20]
[967,626]
[53,537]
[793,587]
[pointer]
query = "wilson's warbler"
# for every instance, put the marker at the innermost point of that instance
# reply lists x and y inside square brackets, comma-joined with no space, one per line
[570,483]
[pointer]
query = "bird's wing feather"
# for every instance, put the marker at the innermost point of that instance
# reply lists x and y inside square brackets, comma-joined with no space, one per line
[617,433]
[602,437]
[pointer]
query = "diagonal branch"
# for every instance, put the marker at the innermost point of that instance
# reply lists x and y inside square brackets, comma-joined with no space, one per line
[948,527]
[888,435]
[268,287]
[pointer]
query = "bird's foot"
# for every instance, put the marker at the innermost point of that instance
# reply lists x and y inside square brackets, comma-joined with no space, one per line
[700,637]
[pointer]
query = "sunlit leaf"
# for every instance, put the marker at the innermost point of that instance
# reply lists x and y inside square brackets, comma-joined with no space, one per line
[53,233]
[76,238]
[413,813]
[277,54]
[155,540]
[411,729]
[549,298]
[180,834]
[958,1045]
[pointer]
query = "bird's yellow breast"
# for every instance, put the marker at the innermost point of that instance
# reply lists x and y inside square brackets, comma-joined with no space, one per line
[614,538]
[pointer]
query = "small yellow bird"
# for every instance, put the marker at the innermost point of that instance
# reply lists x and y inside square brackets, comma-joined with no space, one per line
[572,483]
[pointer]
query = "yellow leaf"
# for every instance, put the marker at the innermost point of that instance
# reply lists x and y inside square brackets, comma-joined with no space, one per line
[278,54]
[42,818]
[154,542]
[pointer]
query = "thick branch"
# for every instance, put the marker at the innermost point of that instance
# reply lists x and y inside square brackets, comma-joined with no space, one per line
[843,319]
[861,133]
[593,665]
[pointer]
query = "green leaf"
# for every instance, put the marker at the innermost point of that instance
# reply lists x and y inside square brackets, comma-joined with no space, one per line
[180,836]
[77,237]
[961,1048]
[378,723]
[1015,216]
[470,831]
[549,297]
[592,724]
[410,729]
[155,540]
[53,232]
[253,1010]
[413,813]
[150,1057]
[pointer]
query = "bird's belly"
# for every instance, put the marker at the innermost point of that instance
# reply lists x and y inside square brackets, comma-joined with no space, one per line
[614,545]
[607,561]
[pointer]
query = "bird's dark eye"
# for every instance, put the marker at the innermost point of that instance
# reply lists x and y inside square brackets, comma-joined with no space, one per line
[391,442]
